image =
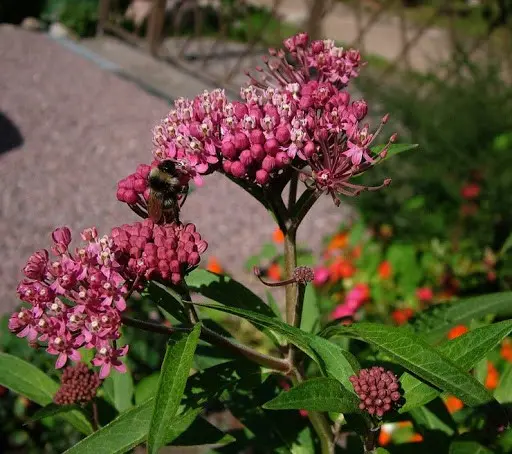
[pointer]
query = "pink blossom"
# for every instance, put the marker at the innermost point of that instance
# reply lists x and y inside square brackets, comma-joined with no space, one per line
[321,276]
[424,294]
[108,357]
[75,300]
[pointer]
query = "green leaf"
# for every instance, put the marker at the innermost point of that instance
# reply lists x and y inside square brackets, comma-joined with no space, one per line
[414,354]
[226,291]
[146,388]
[435,323]
[119,390]
[167,300]
[51,409]
[29,381]
[468,447]
[122,434]
[199,432]
[465,351]
[503,393]
[173,378]
[506,246]
[393,149]
[318,394]
[434,416]
[333,360]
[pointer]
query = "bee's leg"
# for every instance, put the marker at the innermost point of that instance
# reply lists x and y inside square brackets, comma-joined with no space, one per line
[184,198]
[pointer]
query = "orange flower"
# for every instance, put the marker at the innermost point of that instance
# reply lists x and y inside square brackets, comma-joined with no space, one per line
[384,437]
[278,236]
[416,438]
[341,269]
[385,270]
[214,266]
[357,251]
[274,272]
[506,350]
[402,316]
[453,404]
[493,376]
[457,331]
[338,241]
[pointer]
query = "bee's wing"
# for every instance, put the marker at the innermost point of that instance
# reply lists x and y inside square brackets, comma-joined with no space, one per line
[155,206]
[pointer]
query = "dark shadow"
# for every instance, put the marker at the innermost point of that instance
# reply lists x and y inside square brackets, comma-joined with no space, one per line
[10,135]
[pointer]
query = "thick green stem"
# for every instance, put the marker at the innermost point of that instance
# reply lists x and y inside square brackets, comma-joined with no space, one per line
[319,422]
[290,263]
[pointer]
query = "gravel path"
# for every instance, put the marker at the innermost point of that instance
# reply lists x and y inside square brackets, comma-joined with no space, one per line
[83,129]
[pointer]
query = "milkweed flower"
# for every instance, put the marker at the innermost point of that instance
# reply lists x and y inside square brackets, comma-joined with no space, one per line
[295,115]
[76,299]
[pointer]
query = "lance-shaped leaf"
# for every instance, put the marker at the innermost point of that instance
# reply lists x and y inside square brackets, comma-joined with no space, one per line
[31,382]
[436,322]
[318,394]
[171,385]
[333,360]
[423,360]
[120,435]
[465,351]
[119,390]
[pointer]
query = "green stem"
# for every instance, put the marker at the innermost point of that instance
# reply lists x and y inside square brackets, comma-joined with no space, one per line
[290,263]
[213,338]
[320,423]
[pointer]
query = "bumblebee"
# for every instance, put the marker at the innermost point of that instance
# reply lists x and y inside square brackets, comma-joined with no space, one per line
[167,183]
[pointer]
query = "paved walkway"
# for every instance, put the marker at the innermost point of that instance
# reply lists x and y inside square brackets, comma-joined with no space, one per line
[82,129]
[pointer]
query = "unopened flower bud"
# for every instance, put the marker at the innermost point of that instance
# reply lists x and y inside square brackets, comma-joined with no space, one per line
[228,149]
[303,274]
[257,152]
[378,390]
[238,169]
[262,176]
[271,146]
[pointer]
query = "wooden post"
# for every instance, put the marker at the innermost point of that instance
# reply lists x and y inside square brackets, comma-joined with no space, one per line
[103,10]
[314,23]
[155,26]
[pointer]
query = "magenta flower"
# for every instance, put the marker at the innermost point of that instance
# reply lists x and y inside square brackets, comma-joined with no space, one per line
[75,300]
[108,357]
[293,115]
[321,276]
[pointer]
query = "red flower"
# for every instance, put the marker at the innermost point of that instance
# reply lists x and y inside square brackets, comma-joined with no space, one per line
[385,270]
[457,331]
[402,316]
[493,376]
[470,191]
[453,404]
[424,294]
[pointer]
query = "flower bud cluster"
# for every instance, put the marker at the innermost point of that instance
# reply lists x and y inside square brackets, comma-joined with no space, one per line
[165,252]
[78,385]
[378,390]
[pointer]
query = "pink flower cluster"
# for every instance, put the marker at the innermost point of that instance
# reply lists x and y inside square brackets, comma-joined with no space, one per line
[293,115]
[354,299]
[75,300]
[165,252]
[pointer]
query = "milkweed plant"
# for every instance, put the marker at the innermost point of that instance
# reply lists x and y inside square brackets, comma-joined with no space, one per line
[295,135]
